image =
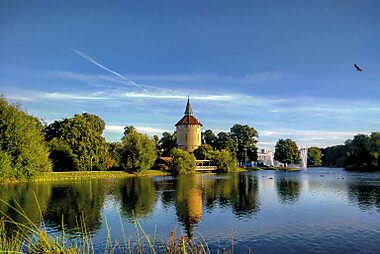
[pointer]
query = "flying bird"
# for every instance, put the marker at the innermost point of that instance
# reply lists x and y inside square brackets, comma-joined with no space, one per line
[358,68]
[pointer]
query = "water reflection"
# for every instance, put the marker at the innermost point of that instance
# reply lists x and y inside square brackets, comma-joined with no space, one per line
[138,196]
[192,200]
[244,198]
[69,201]
[288,190]
[188,202]
[365,194]
[23,197]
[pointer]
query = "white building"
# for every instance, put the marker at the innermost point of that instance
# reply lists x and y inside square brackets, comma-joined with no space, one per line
[265,156]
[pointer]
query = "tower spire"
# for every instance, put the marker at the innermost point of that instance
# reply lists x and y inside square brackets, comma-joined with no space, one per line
[189,110]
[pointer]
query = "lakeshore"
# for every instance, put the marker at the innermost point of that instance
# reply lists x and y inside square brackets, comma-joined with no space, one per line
[262,208]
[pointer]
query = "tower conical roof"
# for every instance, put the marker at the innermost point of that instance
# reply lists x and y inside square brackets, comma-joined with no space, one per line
[189,109]
[188,118]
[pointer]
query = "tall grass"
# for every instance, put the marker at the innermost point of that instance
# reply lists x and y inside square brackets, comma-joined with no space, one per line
[31,237]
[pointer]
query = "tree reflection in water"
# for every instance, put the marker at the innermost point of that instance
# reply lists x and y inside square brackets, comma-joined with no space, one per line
[288,190]
[138,196]
[76,202]
[24,196]
[366,195]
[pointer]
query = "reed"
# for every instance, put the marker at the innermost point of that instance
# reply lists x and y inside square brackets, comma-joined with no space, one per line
[31,237]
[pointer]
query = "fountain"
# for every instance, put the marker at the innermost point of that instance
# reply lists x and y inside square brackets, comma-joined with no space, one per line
[303,153]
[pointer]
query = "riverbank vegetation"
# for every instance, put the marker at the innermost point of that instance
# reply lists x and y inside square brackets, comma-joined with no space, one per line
[30,237]
[29,147]
[360,153]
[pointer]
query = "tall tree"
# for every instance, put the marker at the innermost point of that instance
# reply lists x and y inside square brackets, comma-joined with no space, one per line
[358,151]
[314,157]
[23,150]
[167,143]
[286,151]
[139,151]
[209,138]
[83,135]
[225,141]
[246,142]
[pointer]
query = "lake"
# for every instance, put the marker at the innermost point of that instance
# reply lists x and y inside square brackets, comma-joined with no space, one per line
[320,210]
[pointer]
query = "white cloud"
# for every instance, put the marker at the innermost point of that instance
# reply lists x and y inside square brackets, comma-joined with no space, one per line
[307,138]
[119,129]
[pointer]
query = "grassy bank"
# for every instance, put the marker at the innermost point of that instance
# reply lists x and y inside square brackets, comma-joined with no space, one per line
[72,175]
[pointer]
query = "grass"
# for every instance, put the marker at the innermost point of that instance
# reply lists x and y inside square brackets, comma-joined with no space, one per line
[70,175]
[238,169]
[33,238]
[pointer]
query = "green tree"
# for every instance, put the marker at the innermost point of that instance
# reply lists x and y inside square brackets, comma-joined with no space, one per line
[62,156]
[83,134]
[209,138]
[167,143]
[115,151]
[224,160]
[139,151]
[286,151]
[246,142]
[204,152]
[183,162]
[375,149]
[244,136]
[358,151]
[23,149]
[334,156]
[225,141]
[314,157]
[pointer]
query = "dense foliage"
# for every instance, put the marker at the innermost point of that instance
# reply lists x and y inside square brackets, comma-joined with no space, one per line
[208,137]
[167,143]
[114,150]
[244,136]
[77,143]
[286,151]
[224,160]
[182,162]
[314,157]
[204,152]
[225,141]
[362,152]
[139,151]
[23,151]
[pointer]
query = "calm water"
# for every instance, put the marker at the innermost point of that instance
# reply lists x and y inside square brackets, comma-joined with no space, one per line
[320,210]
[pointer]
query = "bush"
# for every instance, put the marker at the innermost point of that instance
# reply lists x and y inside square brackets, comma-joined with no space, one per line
[183,163]
[224,160]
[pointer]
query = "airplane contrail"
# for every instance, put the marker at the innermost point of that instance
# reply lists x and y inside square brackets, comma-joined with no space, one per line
[109,70]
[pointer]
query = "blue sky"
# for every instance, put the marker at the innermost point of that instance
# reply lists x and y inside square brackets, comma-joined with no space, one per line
[283,67]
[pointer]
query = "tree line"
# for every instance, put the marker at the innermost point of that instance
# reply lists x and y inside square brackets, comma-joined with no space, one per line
[360,153]
[27,146]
